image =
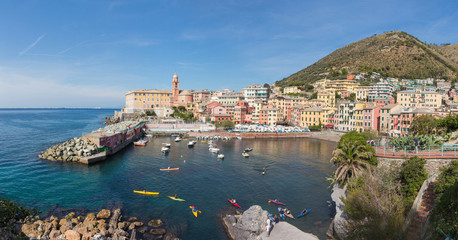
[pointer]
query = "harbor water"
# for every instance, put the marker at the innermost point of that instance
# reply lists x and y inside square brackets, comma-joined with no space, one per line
[296,171]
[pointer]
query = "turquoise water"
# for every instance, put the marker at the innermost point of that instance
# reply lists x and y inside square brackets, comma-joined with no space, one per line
[296,172]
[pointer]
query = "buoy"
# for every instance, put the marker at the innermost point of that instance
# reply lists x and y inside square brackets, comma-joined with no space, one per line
[184,161]
[181,155]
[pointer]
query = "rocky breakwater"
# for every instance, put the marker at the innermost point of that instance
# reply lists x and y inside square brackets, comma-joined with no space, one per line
[251,225]
[338,227]
[70,151]
[101,226]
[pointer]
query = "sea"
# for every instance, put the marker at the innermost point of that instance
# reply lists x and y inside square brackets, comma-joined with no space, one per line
[296,172]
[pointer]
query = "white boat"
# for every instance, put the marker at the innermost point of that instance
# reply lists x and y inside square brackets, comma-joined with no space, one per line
[149,135]
[191,143]
[239,138]
[220,156]
[245,154]
[214,150]
[167,145]
[165,149]
[178,139]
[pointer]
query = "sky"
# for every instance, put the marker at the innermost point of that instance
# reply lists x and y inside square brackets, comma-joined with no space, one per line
[90,53]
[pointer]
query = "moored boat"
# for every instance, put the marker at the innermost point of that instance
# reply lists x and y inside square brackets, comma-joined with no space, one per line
[165,149]
[220,156]
[245,154]
[140,142]
[248,149]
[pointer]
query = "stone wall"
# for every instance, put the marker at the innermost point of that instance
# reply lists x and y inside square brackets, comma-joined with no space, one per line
[432,165]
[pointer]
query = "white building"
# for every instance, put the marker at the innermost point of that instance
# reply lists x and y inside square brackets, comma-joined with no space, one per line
[382,89]
[255,92]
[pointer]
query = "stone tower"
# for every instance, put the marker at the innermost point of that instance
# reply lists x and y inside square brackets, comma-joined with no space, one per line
[175,88]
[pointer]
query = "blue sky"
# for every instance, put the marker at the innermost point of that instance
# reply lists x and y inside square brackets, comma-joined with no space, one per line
[90,53]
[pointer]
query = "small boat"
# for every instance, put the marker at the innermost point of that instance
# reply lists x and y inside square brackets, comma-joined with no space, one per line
[191,143]
[169,169]
[140,143]
[165,149]
[220,156]
[245,154]
[178,139]
[173,135]
[146,193]
[239,138]
[271,217]
[149,135]
[167,144]
[195,211]
[214,150]
[233,203]
[303,214]
[276,202]
[176,199]
[248,149]
[289,215]
[203,141]
[281,212]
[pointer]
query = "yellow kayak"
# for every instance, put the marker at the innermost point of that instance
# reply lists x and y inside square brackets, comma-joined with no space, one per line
[194,211]
[146,193]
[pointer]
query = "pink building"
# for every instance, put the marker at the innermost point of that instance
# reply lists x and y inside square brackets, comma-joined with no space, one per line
[371,117]
[384,101]
[345,94]
[201,96]
[218,110]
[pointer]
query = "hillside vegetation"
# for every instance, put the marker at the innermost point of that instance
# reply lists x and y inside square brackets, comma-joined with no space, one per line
[392,54]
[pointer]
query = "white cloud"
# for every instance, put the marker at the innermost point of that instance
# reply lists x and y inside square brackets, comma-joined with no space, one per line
[32,45]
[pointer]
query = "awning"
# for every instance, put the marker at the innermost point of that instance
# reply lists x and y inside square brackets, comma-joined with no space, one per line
[329,125]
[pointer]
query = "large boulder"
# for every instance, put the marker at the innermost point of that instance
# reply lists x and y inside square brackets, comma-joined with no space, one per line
[31,230]
[155,223]
[115,218]
[104,213]
[72,235]
[98,236]
[250,225]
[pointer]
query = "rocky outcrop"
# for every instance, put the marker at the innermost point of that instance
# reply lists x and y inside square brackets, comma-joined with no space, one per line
[338,227]
[90,227]
[251,226]
[70,151]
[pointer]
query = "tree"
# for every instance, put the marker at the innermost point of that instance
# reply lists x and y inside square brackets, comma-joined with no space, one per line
[182,109]
[266,85]
[424,125]
[352,97]
[314,95]
[227,124]
[359,139]
[375,206]
[412,176]
[351,159]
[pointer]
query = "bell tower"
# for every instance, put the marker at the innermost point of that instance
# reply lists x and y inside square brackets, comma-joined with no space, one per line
[175,88]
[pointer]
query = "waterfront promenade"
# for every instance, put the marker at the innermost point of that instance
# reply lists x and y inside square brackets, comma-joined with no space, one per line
[428,152]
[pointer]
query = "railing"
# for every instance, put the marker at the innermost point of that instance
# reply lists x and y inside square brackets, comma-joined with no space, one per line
[421,151]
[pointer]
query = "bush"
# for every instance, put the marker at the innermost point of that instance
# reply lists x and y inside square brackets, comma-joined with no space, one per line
[11,212]
[375,206]
[444,216]
[412,176]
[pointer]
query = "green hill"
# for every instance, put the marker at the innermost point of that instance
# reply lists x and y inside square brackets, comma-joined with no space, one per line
[392,54]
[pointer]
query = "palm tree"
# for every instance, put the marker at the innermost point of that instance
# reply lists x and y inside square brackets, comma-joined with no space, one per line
[351,160]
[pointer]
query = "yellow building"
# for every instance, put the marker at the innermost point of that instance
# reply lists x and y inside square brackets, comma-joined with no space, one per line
[424,99]
[342,86]
[328,97]
[314,116]
[143,100]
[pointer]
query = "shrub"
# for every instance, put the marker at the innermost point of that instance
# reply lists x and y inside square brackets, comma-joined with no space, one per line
[412,176]
[11,212]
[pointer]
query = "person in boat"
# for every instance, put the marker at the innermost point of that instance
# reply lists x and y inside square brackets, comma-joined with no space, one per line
[233,200]
[168,168]
[287,211]
[176,195]
[144,190]
[281,211]
[304,211]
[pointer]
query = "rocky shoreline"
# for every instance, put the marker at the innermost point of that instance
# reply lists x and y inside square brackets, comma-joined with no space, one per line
[70,151]
[251,226]
[104,225]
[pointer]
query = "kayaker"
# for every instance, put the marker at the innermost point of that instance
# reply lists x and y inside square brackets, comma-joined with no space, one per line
[276,219]
[304,211]
[233,200]
[287,211]
[281,211]
[176,196]
[144,190]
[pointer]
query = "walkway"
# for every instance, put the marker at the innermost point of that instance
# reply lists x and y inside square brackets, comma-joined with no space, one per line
[417,226]
[436,152]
